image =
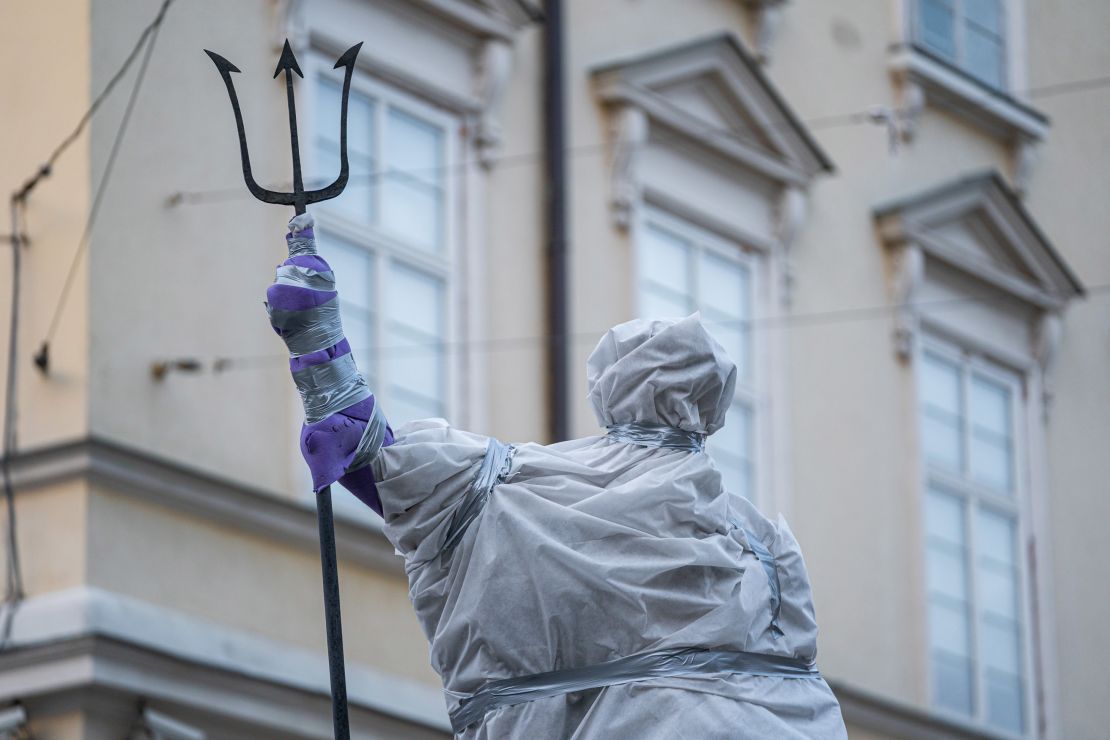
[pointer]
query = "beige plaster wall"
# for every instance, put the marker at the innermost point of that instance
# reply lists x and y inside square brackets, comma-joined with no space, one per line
[1069,194]
[218,573]
[189,280]
[43,93]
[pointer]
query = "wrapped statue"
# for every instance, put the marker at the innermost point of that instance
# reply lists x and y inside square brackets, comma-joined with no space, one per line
[605,587]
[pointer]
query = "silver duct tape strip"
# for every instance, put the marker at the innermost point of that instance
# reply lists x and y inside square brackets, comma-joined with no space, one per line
[642,667]
[310,330]
[658,435]
[494,469]
[767,560]
[305,277]
[371,442]
[299,246]
[330,387]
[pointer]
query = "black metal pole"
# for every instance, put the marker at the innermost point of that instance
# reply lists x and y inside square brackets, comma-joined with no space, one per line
[555,161]
[333,619]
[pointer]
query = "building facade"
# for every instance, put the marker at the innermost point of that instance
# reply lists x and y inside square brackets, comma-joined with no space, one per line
[890,212]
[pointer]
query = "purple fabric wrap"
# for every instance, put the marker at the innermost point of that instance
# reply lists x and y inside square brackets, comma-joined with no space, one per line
[329,446]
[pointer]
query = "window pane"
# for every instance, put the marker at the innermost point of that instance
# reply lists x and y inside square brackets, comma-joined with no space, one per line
[947,572]
[664,259]
[949,613]
[937,27]
[356,201]
[722,286]
[991,463]
[990,406]
[1000,645]
[942,403]
[415,147]
[412,198]
[730,449]
[353,268]
[944,517]
[940,384]
[659,303]
[984,13]
[949,629]
[952,682]
[1004,701]
[723,300]
[414,355]
[995,538]
[983,57]
[413,210]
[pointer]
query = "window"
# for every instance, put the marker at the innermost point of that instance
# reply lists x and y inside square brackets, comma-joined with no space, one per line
[387,237]
[974,574]
[683,270]
[966,33]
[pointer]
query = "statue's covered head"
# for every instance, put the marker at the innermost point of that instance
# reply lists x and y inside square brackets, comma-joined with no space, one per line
[661,371]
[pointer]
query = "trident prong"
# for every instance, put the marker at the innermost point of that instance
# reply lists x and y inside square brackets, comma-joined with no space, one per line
[299,198]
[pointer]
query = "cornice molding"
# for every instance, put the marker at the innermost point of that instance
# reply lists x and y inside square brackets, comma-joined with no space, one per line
[89,639]
[890,718]
[212,498]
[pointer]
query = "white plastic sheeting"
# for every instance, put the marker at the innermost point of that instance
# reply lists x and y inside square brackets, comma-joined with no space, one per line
[595,549]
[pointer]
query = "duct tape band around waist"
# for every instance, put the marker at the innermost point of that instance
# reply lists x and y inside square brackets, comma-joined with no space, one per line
[310,330]
[642,667]
[494,469]
[658,435]
[329,387]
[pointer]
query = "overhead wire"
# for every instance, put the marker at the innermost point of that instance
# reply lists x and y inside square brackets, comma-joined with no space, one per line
[150,37]
[870,115]
[846,315]
[14,586]
[47,167]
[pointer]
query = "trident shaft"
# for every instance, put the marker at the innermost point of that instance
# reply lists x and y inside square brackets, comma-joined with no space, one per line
[300,199]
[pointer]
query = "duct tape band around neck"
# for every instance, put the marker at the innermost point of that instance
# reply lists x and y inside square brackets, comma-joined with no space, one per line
[658,435]
[330,387]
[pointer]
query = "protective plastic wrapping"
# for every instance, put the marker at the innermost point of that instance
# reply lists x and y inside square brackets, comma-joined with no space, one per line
[600,551]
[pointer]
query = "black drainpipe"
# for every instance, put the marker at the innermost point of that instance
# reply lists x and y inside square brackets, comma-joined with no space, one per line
[554,104]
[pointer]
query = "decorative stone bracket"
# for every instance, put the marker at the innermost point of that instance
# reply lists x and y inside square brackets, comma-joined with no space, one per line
[908,277]
[768,16]
[1046,347]
[630,132]
[494,66]
[790,215]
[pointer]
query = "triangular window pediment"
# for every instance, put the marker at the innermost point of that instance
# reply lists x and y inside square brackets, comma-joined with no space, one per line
[706,97]
[712,92]
[979,226]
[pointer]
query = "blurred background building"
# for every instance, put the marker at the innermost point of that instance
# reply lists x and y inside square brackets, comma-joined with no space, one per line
[893,213]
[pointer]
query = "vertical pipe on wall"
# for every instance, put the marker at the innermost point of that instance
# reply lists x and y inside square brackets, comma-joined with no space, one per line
[554,102]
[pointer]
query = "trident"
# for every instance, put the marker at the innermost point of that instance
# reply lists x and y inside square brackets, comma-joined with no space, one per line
[299,199]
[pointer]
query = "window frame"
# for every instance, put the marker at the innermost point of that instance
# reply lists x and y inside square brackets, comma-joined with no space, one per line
[755,395]
[959,41]
[380,245]
[976,497]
